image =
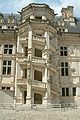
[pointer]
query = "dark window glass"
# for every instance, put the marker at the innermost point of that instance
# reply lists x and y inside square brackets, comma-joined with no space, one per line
[64,68]
[3,88]
[65,48]
[8,49]
[4,70]
[63,91]
[10,46]
[74,91]
[63,51]
[8,88]
[62,71]
[25,73]
[6,67]
[67,91]
[66,64]
[26,51]
[38,52]
[37,75]
[38,17]
[4,62]
[66,71]
[9,70]
[9,62]
[62,64]
[8,27]
[6,46]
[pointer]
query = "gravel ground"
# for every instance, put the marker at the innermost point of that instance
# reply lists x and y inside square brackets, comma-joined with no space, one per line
[68,114]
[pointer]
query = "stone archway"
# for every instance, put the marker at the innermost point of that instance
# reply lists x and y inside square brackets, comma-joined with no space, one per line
[37,98]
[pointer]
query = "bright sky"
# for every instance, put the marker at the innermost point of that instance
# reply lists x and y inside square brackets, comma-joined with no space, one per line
[9,6]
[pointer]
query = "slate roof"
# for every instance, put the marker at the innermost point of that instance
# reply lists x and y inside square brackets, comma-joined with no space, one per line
[74,29]
[71,28]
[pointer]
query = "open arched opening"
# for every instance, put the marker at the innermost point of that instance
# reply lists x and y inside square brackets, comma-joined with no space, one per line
[37,75]
[37,98]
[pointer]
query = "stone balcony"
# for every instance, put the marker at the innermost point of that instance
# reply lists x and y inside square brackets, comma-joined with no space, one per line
[22,60]
[34,83]
[38,60]
[22,81]
[35,60]
[39,39]
[38,84]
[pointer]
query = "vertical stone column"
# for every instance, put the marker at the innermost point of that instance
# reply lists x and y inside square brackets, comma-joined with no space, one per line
[47,97]
[1,62]
[77,91]
[18,43]
[29,67]
[48,86]
[15,98]
[1,70]
[70,92]
[14,49]
[13,75]
[2,49]
[19,47]
[47,39]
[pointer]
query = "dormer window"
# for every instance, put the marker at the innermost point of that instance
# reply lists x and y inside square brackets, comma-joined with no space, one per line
[38,17]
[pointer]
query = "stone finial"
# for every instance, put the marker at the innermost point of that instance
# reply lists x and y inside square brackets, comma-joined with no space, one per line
[11,18]
[1,17]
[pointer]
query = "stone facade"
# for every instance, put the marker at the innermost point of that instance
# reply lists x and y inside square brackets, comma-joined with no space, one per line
[39,56]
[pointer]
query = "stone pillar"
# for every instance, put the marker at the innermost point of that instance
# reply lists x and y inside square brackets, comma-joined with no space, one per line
[70,92]
[19,47]
[77,91]
[13,68]
[15,98]
[14,49]
[30,44]
[29,68]
[47,39]
[1,63]
[18,43]
[2,49]
[28,97]
[47,97]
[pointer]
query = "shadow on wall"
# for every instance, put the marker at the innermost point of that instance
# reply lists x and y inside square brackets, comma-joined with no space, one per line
[6,96]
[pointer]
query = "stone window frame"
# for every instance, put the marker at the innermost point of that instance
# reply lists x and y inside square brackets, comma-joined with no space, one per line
[8,48]
[6,67]
[65,92]
[64,69]
[63,51]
